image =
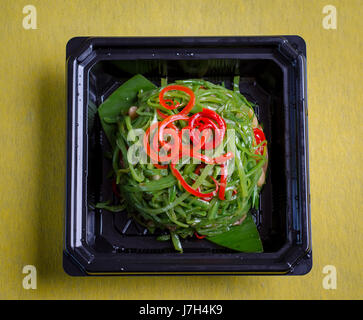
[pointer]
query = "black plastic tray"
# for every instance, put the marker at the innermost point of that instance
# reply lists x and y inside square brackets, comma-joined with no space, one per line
[273,75]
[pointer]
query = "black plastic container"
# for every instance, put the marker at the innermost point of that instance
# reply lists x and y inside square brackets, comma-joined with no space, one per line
[273,75]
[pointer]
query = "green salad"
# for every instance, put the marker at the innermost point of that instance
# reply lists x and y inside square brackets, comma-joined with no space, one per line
[189,159]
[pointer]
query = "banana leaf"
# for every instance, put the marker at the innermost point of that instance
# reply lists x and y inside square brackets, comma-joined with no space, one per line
[243,238]
[120,101]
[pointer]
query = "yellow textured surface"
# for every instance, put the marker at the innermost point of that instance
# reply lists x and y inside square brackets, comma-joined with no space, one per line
[32,140]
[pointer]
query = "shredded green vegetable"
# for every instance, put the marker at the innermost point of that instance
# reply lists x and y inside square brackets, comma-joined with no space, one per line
[156,198]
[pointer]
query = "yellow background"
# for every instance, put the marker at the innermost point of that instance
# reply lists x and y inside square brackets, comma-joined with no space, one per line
[32,140]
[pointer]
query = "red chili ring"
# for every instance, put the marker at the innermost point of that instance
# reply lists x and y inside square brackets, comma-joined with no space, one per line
[205,120]
[188,91]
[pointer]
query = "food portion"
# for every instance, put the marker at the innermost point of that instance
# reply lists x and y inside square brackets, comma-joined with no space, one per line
[189,159]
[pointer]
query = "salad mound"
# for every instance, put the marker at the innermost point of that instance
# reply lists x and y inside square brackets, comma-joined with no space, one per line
[189,158]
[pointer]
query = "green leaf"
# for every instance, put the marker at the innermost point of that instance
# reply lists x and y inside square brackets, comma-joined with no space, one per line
[120,101]
[243,238]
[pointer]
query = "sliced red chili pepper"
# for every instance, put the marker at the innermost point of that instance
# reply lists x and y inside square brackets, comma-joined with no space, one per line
[259,137]
[188,91]
[193,152]
[153,151]
[223,158]
[167,121]
[199,236]
[158,166]
[175,146]
[223,182]
[172,146]
[204,158]
[206,120]
[188,149]
[204,136]
[208,113]
[188,188]
[197,170]
[162,115]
